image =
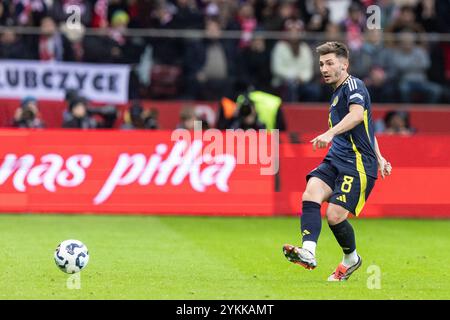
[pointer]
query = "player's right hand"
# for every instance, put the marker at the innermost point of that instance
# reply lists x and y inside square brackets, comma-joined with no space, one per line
[322,141]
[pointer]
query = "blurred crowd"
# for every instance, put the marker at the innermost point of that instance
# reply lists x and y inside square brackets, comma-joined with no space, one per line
[406,68]
[252,110]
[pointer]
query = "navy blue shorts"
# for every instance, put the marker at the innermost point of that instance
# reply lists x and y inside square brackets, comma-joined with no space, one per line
[351,188]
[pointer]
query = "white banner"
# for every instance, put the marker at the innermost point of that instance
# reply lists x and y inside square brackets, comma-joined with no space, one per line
[107,83]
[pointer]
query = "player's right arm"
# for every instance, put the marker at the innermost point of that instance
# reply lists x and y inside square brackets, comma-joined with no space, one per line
[383,165]
[351,120]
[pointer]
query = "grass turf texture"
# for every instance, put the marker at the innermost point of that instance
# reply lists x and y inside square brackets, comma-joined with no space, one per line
[143,257]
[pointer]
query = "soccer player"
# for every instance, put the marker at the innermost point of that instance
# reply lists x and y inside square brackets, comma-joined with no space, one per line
[347,175]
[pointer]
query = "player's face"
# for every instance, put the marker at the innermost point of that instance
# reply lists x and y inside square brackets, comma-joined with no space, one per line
[332,68]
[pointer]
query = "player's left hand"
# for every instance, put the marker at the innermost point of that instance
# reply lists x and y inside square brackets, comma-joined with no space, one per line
[385,167]
[322,141]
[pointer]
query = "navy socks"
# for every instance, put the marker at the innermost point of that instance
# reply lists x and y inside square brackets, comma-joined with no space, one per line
[345,236]
[311,221]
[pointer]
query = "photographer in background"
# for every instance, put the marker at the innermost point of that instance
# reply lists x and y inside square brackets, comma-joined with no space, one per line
[27,115]
[395,122]
[80,116]
[136,117]
[266,108]
[246,116]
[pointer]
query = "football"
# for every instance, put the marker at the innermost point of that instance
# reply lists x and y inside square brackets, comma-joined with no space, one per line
[71,256]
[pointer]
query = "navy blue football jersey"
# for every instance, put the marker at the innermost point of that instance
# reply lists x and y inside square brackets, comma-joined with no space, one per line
[354,149]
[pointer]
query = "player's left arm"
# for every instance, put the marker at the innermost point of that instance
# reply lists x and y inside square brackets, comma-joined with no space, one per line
[354,117]
[383,165]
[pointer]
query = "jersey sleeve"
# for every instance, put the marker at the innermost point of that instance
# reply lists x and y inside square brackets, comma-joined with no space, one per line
[356,93]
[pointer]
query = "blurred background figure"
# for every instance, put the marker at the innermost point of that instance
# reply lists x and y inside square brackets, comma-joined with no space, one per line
[76,37]
[114,47]
[410,62]
[353,26]
[12,46]
[253,109]
[317,15]
[51,45]
[246,116]
[77,116]
[369,63]
[80,115]
[136,117]
[210,65]
[187,118]
[247,23]
[292,65]
[28,115]
[395,122]
[253,65]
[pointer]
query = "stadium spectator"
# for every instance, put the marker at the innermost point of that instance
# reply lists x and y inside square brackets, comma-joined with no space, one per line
[27,12]
[405,20]
[368,64]
[28,115]
[51,45]
[136,117]
[426,15]
[332,31]
[316,15]
[395,122]
[253,65]
[187,15]
[224,11]
[101,49]
[75,36]
[292,65]
[353,27]
[410,63]
[266,11]
[256,109]
[6,18]
[388,8]
[12,46]
[429,14]
[165,51]
[77,116]
[115,47]
[187,118]
[246,116]
[210,65]
[442,8]
[247,23]
[285,10]
[100,14]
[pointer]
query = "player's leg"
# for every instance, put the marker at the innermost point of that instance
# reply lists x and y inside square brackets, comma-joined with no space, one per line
[345,236]
[351,192]
[318,190]
[343,232]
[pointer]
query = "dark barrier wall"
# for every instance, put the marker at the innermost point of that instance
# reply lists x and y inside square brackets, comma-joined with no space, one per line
[153,173]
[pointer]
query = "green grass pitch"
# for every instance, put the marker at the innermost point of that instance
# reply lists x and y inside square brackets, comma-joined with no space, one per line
[156,257]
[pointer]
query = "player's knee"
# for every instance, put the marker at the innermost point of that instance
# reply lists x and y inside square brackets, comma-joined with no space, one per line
[334,217]
[310,196]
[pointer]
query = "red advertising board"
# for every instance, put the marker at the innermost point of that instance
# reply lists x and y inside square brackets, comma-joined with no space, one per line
[149,172]
[125,172]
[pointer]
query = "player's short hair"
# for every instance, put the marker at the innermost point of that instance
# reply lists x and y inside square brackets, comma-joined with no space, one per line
[338,48]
